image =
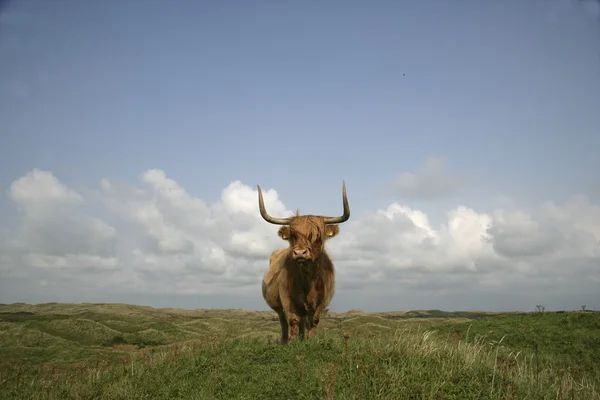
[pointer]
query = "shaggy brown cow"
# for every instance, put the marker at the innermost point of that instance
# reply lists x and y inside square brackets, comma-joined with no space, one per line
[300,281]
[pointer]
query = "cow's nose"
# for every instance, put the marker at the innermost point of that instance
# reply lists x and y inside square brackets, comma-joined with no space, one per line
[301,252]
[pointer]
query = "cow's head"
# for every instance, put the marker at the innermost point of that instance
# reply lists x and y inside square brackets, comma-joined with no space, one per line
[306,233]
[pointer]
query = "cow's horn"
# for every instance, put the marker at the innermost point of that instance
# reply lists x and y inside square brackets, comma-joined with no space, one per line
[346,215]
[265,215]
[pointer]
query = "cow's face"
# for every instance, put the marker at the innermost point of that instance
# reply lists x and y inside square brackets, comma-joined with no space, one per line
[307,236]
[306,233]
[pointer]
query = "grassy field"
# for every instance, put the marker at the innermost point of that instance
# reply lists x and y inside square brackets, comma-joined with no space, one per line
[116,351]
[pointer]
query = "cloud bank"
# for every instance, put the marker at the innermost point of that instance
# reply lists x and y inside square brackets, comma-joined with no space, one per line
[431,181]
[151,238]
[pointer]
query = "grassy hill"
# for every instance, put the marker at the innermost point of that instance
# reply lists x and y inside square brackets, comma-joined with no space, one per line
[118,351]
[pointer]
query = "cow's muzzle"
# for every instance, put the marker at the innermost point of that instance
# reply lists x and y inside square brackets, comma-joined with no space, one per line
[301,255]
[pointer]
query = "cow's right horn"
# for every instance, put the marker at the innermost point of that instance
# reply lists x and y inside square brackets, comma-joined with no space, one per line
[265,215]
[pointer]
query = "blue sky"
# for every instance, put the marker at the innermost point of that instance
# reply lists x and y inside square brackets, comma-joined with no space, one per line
[297,96]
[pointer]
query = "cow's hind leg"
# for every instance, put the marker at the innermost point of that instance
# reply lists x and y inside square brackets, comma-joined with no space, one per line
[313,321]
[284,326]
[302,326]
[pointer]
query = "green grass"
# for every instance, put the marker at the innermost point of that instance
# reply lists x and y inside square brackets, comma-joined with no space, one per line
[569,341]
[114,351]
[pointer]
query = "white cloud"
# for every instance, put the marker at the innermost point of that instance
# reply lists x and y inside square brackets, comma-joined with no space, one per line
[155,238]
[430,181]
[53,231]
[38,187]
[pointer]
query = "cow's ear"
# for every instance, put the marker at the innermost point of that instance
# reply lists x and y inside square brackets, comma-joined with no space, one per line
[331,231]
[284,232]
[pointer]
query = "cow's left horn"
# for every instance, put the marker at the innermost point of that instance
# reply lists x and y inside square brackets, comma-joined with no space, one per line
[266,216]
[346,215]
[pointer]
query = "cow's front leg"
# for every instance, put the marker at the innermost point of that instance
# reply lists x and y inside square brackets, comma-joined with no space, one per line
[293,320]
[292,317]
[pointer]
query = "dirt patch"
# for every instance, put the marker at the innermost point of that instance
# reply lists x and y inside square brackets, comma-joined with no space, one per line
[124,347]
